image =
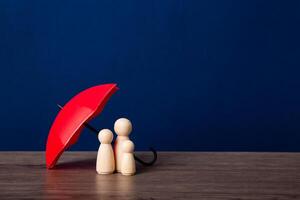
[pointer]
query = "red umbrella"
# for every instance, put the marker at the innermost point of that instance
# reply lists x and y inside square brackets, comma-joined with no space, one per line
[72,117]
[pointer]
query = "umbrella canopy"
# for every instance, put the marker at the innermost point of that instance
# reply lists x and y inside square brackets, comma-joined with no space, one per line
[69,122]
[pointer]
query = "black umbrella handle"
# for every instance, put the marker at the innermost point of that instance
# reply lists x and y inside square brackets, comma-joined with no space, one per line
[135,157]
[147,163]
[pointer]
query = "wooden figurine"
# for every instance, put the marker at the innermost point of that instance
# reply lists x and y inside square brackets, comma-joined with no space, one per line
[128,162]
[105,158]
[123,128]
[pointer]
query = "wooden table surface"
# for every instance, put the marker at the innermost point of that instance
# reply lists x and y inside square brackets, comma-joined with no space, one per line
[176,175]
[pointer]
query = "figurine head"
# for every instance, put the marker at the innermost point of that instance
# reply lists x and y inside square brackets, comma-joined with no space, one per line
[105,136]
[127,146]
[123,127]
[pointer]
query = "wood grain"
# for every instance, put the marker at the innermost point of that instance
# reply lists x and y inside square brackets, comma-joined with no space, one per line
[184,175]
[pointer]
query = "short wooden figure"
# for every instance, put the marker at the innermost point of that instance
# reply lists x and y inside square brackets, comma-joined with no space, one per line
[105,158]
[123,128]
[128,162]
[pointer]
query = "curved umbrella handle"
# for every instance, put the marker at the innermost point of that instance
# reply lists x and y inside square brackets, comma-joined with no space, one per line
[135,157]
[148,163]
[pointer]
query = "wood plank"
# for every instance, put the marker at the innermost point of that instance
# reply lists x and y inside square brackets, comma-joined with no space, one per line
[177,175]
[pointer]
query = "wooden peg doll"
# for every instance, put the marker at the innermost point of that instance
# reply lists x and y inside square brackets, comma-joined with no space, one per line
[128,162]
[105,158]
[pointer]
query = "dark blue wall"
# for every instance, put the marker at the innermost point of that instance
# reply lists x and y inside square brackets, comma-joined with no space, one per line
[193,75]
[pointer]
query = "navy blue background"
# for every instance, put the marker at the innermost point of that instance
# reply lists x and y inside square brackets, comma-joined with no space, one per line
[193,75]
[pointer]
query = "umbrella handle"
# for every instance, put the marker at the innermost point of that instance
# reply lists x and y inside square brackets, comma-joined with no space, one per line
[148,163]
[135,157]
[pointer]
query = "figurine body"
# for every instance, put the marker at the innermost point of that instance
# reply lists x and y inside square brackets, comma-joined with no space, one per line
[128,162]
[105,158]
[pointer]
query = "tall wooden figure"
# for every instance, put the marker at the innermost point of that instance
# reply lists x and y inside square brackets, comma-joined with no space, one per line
[123,128]
[128,162]
[105,158]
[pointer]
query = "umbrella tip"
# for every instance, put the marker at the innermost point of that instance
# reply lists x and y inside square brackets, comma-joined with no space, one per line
[59,106]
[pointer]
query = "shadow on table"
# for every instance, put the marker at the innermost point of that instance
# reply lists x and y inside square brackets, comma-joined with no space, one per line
[141,169]
[78,164]
[90,164]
